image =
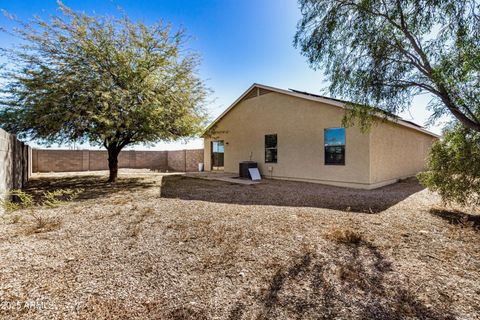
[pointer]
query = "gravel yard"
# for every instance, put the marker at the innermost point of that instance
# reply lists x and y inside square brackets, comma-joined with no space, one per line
[160,246]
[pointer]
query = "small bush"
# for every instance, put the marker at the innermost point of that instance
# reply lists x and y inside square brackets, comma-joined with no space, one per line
[345,236]
[59,197]
[454,167]
[15,200]
[20,200]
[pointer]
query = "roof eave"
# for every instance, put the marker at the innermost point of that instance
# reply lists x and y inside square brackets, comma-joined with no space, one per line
[312,98]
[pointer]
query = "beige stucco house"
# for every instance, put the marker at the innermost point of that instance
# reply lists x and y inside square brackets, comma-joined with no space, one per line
[299,136]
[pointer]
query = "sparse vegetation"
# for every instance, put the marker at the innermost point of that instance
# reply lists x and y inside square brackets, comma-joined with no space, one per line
[59,197]
[202,255]
[15,200]
[17,203]
[134,227]
[345,236]
[42,223]
[454,167]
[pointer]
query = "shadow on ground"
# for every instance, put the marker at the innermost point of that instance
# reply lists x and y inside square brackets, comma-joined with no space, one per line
[456,217]
[354,281]
[289,193]
[92,187]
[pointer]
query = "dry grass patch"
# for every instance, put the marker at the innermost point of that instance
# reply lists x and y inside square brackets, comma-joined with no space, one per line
[129,254]
[42,224]
[223,241]
[134,227]
[343,282]
[345,236]
[13,218]
[23,207]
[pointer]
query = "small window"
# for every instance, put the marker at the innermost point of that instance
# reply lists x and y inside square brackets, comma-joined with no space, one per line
[334,146]
[271,148]
[218,147]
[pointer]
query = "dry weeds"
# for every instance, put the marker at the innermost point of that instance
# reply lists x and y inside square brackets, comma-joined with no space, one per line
[43,224]
[210,250]
[345,236]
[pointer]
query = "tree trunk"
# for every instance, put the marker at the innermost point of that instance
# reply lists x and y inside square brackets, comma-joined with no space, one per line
[113,164]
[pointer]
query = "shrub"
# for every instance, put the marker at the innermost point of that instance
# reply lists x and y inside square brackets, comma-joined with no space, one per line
[454,167]
[59,197]
[16,200]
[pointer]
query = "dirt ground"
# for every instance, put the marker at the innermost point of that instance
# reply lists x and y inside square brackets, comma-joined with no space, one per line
[159,246]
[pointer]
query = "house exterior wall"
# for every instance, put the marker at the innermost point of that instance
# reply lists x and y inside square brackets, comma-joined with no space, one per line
[299,125]
[387,153]
[397,152]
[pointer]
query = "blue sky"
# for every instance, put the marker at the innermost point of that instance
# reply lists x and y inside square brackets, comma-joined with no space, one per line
[240,41]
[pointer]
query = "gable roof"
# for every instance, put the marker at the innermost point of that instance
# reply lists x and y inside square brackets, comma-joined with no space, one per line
[313,97]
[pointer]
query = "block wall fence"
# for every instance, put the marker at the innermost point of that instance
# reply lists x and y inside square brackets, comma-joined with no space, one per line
[46,160]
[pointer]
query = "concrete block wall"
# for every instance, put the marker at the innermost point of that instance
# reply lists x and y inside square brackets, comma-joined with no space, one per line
[193,158]
[176,160]
[15,162]
[57,160]
[151,159]
[185,160]
[96,160]
[45,160]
